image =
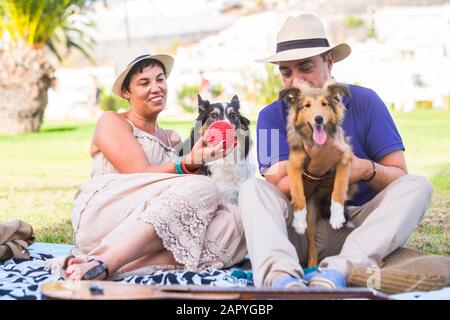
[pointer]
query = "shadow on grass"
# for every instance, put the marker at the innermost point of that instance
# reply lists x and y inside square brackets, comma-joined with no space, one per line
[44,130]
[36,189]
[59,129]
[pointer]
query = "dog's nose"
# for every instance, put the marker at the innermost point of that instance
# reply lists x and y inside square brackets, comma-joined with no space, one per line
[318,119]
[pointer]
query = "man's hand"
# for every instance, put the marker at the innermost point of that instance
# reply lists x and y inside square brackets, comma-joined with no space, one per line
[389,168]
[326,156]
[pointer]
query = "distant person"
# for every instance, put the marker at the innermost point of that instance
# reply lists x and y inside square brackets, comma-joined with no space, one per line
[95,97]
[204,86]
[144,205]
[385,211]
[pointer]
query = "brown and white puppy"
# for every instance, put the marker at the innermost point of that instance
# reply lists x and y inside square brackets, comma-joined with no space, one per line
[314,116]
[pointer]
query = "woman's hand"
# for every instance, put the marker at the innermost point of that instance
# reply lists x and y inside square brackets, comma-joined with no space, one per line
[203,153]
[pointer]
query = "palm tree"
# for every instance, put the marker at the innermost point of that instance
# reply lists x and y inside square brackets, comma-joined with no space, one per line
[34,35]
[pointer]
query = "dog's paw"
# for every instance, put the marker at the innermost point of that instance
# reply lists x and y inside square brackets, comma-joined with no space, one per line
[337,218]
[299,223]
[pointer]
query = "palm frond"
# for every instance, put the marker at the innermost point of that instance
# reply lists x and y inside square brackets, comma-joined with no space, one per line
[53,48]
[40,22]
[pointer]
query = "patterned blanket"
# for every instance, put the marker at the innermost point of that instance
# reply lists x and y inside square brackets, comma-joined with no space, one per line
[21,280]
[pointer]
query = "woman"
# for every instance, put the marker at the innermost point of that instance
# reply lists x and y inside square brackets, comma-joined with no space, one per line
[142,206]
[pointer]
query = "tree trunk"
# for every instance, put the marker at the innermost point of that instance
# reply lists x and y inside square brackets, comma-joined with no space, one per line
[25,76]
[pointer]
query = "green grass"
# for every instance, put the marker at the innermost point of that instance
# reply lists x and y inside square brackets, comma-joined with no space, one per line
[426,136]
[40,172]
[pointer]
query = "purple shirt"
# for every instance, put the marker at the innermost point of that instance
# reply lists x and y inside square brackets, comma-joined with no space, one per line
[367,122]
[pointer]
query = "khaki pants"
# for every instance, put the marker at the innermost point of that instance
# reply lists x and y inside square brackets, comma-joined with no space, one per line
[381,225]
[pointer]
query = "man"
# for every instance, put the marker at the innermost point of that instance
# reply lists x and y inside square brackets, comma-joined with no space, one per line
[388,205]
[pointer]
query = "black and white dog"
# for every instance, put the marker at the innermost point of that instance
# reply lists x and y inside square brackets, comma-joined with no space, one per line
[230,172]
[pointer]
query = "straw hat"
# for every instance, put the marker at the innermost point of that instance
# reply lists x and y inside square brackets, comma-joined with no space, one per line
[303,37]
[124,64]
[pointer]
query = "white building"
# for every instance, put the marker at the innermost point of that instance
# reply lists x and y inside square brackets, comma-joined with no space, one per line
[407,63]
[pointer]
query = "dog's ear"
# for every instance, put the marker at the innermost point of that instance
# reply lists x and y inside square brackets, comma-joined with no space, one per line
[245,123]
[202,104]
[338,90]
[235,102]
[289,95]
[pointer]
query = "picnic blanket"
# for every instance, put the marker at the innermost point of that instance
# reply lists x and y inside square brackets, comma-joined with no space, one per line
[21,279]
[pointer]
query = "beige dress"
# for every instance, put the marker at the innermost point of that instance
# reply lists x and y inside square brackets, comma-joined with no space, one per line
[185,210]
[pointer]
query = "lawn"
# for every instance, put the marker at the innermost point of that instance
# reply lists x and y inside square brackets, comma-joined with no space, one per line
[40,172]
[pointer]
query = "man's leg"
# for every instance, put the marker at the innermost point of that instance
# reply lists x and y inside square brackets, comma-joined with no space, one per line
[264,212]
[382,225]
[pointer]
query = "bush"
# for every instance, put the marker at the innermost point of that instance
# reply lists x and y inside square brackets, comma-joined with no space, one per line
[270,86]
[425,104]
[447,101]
[111,102]
[353,21]
[216,90]
[187,98]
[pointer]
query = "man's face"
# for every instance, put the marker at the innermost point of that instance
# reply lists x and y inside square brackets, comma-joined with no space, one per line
[314,70]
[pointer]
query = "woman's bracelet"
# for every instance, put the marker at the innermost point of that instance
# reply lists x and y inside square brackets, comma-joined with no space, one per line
[186,170]
[178,165]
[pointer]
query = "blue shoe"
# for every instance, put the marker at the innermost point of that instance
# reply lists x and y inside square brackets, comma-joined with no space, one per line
[288,281]
[326,278]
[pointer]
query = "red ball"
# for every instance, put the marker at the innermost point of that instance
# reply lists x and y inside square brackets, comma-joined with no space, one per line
[221,131]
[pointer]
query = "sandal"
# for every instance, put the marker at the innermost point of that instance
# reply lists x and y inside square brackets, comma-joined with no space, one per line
[96,271]
[92,273]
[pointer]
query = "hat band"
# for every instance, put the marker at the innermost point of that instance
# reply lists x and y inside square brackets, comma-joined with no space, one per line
[138,58]
[302,43]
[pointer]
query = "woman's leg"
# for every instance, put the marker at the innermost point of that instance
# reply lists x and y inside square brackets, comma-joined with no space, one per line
[142,241]
[181,214]
[162,258]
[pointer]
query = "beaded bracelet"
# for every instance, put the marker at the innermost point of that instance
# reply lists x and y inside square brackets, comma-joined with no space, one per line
[178,167]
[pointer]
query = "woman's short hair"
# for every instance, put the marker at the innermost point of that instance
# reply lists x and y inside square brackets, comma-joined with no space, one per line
[138,68]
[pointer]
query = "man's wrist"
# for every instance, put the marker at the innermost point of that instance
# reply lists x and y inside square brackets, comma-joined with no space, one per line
[370,170]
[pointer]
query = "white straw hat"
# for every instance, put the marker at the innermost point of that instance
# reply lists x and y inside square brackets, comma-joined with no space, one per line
[303,37]
[124,64]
